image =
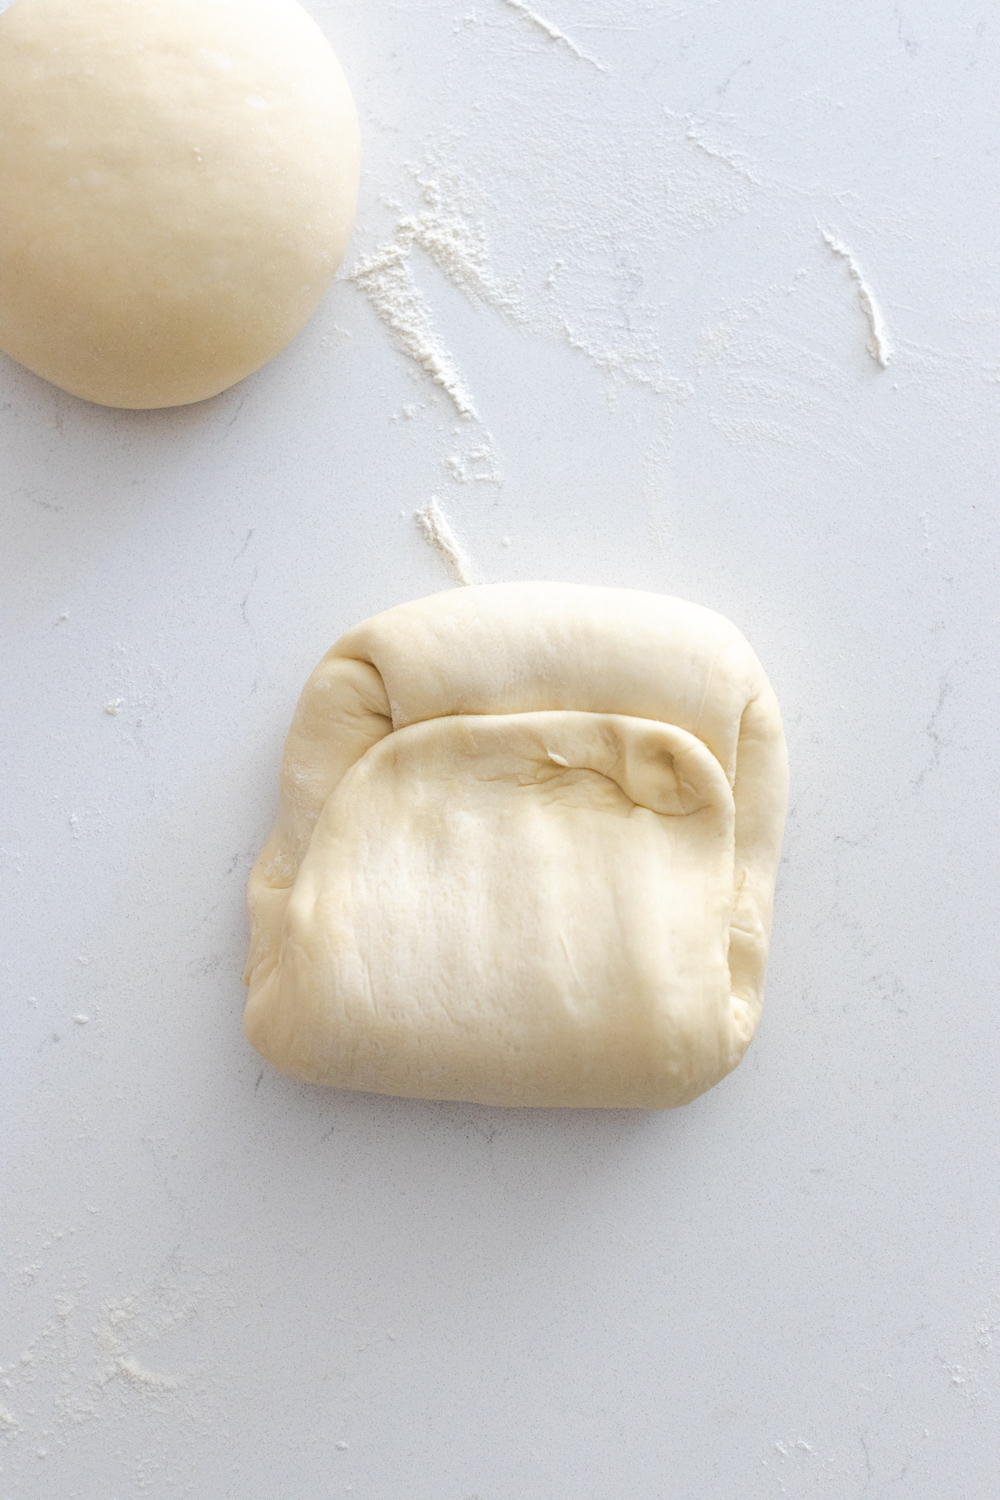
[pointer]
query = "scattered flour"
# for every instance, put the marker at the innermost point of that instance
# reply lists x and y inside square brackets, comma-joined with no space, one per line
[765,387]
[139,1375]
[458,249]
[82,823]
[436,528]
[80,1371]
[585,211]
[478,464]
[879,345]
[594,209]
[387,282]
[925,529]
[637,361]
[803,1459]
[718,154]
[975,1370]
[572,230]
[554,34]
[121,1325]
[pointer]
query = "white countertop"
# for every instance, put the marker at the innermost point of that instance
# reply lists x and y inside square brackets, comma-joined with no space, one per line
[223,1284]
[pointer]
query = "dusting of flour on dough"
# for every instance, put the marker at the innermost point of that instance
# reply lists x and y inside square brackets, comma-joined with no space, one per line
[554,34]
[879,346]
[436,528]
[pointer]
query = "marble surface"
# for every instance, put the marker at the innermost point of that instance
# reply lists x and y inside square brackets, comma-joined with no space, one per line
[220,1283]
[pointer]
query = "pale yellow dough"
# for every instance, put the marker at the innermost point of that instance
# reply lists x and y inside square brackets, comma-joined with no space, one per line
[178,182]
[525,853]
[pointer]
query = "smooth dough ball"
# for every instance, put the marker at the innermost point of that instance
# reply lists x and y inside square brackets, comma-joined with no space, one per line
[178,181]
[525,853]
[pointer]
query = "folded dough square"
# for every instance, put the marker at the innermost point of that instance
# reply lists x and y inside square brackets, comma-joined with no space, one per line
[525,853]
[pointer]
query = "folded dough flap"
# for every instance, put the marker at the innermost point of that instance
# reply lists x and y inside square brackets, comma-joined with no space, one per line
[515,908]
[529,648]
[579,757]
[521,647]
[342,712]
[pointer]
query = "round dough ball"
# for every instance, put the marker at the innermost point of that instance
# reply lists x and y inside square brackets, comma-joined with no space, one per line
[178,181]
